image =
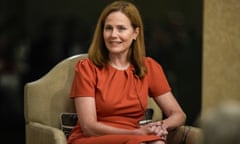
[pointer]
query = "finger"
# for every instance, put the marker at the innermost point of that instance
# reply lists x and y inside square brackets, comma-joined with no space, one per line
[157,130]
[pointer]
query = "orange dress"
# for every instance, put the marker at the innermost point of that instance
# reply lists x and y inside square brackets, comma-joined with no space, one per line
[121,98]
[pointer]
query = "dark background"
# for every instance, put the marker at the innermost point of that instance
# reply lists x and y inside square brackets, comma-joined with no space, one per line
[37,34]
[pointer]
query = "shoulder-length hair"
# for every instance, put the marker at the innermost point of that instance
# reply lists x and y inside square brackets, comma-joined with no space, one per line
[98,52]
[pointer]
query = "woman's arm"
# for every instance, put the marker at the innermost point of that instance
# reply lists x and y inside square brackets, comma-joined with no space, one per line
[86,111]
[175,116]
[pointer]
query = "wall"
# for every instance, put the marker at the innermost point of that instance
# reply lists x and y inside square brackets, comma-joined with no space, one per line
[221,52]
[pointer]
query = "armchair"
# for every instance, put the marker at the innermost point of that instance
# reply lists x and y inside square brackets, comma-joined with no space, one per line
[47,98]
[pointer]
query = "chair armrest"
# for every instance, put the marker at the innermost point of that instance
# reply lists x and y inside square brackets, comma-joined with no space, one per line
[185,135]
[43,134]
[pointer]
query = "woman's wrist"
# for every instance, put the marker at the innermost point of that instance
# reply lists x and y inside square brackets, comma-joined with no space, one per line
[137,132]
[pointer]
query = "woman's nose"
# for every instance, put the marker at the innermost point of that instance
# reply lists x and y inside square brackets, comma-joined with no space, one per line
[114,33]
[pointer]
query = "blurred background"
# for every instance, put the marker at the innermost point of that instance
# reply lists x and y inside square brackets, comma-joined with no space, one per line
[37,34]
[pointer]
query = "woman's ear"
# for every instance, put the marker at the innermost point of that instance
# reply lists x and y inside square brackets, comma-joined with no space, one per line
[136,33]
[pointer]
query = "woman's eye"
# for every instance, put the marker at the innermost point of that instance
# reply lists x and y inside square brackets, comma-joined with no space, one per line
[122,28]
[119,28]
[108,28]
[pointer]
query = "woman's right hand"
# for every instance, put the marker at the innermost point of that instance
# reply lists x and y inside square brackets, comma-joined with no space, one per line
[153,128]
[146,129]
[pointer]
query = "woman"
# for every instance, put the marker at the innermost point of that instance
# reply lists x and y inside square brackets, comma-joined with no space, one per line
[111,87]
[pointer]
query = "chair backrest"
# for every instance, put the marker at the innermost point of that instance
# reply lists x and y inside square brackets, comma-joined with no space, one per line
[157,112]
[46,98]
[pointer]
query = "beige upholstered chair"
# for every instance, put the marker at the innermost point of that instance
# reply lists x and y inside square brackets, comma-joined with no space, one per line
[46,98]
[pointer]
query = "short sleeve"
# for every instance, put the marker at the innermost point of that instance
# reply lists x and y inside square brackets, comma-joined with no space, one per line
[157,81]
[84,79]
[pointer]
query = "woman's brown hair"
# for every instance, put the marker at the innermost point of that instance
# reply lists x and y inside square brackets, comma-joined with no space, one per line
[98,52]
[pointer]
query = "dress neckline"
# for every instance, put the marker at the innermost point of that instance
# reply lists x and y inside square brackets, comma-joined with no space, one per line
[119,68]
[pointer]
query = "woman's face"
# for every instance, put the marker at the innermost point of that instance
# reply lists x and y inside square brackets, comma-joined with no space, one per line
[118,33]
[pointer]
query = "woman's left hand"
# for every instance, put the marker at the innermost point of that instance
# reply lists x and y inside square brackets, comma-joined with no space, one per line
[159,129]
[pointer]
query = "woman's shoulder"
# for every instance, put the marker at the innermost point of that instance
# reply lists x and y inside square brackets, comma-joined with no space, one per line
[84,63]
[148,58]
[149,61]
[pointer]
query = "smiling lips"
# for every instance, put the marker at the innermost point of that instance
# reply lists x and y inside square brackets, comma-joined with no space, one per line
[114,43]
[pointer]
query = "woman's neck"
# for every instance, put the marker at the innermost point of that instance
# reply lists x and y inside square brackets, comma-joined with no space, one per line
[119,61]
[119,65]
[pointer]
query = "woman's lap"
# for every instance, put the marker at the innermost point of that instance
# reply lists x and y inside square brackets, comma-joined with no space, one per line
[117,139]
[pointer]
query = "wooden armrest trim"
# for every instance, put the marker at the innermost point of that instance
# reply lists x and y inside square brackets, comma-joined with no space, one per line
[187,130]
